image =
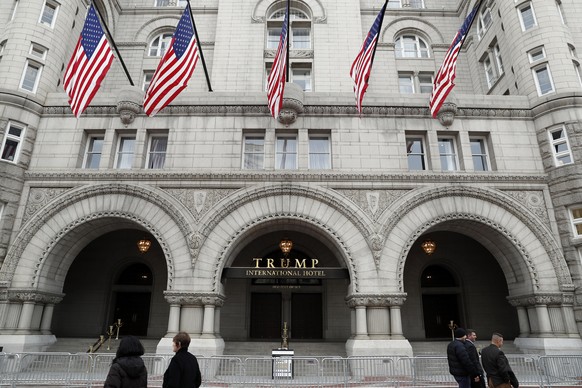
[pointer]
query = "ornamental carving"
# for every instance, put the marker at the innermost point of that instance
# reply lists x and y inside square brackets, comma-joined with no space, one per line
[129,102]
[533,201]
[375,300]
[198,201]
[194,299]
[545,299]
[374,202]
[38,197]
[34,296]
[292,104]
[447,113]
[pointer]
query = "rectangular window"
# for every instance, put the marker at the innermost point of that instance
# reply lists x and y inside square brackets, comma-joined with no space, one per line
[448,154]
[406,83]
[273,36]
[576,215]
[319,152]
[14,8]
[560,146]
[169,3]
[30,76]
[125,152]
[49,13]
[286,153]
[479,153]
[578,71]
[543,79]
[38,51]
[12,142]
[559,7]
[302,77]
[536,54]
[425,82]
[416,3]
[254,152]
[147,79]
[484,21]
[489,72]
[93,152]
[498,59]
[527,16]
[301,39]
[157,152]
[415,153]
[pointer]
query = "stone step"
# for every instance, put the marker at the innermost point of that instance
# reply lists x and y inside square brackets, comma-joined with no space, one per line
[81,345]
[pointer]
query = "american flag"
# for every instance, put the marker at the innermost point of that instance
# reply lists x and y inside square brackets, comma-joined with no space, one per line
[445,77]
[362,66]
[276,79]
[175,68]
[89,64]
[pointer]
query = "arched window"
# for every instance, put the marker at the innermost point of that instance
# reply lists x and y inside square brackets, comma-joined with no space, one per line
[159,44]
[299,34]
[411,46]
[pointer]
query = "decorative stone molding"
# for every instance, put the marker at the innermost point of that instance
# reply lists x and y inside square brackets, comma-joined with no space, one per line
[375,300]
[35,296]
[194,299]
[376,243]
[533,200]
[197,201]
[373,202]
[447,114]
[39,197]
[548,299]
[129,104]
[293,54]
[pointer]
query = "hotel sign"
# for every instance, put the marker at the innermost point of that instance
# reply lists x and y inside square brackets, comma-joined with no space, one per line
[286,268]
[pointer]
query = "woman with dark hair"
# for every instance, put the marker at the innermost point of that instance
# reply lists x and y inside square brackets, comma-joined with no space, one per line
[127,369]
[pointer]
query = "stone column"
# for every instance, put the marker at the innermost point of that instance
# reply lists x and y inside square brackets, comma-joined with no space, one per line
[173,320]
[25,319]
[194,313]
[524,329]
[361,324]
[208,324]
[541,306]
[217,321]
[568,314]
[396,323]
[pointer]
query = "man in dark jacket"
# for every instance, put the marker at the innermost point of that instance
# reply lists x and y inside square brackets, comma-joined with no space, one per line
[499,373]
[460,365]
[474,356]
[183,371]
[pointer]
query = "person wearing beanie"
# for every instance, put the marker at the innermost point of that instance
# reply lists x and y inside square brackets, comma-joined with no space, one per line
[460,364]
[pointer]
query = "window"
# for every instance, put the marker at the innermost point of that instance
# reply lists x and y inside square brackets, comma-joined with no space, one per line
[484,21]
[38,51]
[560,146]
[543,79]
[319,152]
[411,46]
[157,151]
[125,151]
[299,33]
[12,142]
[170,3]
[527,16]
[405,3]
[159,45]
[254,152]
[49,13]
[147,79]
[406,83]
[576,215]
[14,8]
[30,76]
[2,45]
[498,59]
[489,73]
[479,153]
[301,75]
[447,154]
[286,153]
[93,152]
[425,82]
[578,71]
[2,205]
[415,153]
[560,13]
[536,54]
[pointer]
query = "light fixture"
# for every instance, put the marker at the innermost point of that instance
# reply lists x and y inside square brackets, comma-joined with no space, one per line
[286,245]
[428,246]
[144,245]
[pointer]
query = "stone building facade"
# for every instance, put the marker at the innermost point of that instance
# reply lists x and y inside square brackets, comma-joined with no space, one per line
[215,183]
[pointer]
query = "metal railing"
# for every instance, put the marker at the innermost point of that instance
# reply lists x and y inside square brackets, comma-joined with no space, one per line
[90,370]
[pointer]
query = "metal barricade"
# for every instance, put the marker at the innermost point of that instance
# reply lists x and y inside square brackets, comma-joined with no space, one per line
[334,371]
[63,369]
[221,370]
[561,371]
[372,371]
[424,371]
[9,364]
[526,368]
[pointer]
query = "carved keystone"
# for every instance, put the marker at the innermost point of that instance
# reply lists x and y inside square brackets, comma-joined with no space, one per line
[129,104]
[292,103]
[447,114]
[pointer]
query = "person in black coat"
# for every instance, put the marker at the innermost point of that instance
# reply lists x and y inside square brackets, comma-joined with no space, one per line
[127,369]
[460,365]
[474,356]
[499,373]
[183,371]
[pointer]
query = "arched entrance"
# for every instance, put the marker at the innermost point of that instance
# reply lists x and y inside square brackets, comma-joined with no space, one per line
[440,300]
[267,289]
[110,280]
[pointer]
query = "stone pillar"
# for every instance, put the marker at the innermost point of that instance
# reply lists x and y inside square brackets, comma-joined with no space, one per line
[208,324]
[25,319]
[543,315]
[378,320]
[173,320]
[524,329]
[361,324]
[396,323]
[217,322]
[568,314]
[47,317]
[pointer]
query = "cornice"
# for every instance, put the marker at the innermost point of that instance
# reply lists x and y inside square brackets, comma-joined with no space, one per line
[69,177]
[309,110]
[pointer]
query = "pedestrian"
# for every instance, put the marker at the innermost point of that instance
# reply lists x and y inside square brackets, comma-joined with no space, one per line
[183,371]
[474,356]
[127,368]
[460,365]
[499,373]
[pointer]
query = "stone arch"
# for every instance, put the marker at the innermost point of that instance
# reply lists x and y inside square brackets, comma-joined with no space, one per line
[521,231]
[318,13]
[156,26]
[44,248]
[345,226]
[424,29]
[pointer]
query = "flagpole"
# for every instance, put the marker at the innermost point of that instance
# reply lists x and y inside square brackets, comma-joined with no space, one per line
[199,48]
[113,43]
[288,29]
[379,34]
